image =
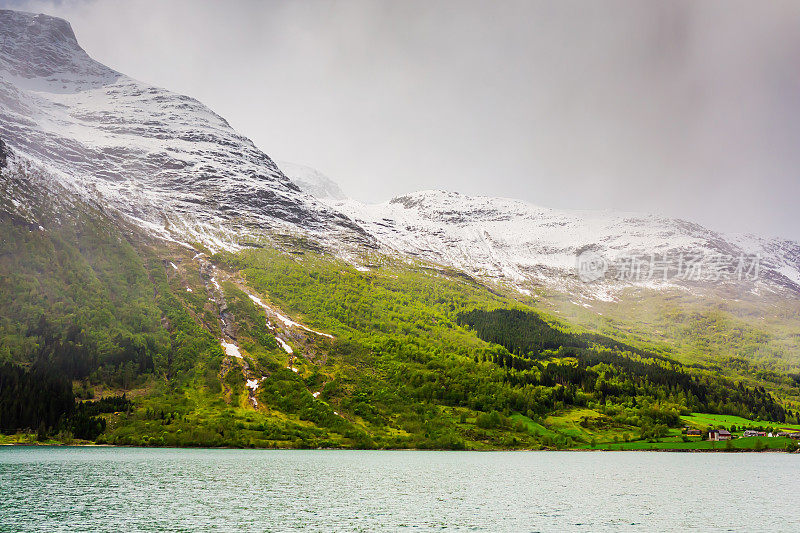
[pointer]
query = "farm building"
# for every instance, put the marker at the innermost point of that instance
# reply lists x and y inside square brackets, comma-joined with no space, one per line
[719,434]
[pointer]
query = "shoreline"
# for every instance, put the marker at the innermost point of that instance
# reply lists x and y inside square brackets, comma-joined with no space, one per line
[574,450]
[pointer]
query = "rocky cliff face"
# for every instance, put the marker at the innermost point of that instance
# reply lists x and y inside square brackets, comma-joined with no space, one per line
[3,154]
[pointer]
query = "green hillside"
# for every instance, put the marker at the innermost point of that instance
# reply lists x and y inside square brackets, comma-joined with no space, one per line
[111,337]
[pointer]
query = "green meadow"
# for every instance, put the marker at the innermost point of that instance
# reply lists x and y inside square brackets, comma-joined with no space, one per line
[704,420]
[748,444]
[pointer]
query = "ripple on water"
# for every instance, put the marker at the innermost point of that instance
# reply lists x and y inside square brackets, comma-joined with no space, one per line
[113,489]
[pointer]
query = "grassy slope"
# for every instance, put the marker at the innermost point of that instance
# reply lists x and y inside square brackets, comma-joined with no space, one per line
[400,372]
[397,348]
[101,286]
[703,420]
[675,440]
[748,444]
[733,335]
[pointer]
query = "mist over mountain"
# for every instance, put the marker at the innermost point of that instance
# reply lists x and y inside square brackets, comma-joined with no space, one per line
[168,161]
[526,246]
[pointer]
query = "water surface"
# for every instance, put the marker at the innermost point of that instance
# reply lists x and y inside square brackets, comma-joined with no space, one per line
[130,489]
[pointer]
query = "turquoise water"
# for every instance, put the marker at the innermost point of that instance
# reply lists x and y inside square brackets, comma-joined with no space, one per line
[129,489]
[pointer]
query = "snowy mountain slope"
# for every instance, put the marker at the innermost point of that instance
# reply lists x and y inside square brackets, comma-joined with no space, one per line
[178,169]
[516,242]
[150,153]
[312,181]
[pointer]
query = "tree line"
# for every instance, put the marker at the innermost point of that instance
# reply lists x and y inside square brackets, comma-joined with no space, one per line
[535,354]
[41,400]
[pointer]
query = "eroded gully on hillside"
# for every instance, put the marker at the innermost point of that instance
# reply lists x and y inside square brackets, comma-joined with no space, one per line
[284,329]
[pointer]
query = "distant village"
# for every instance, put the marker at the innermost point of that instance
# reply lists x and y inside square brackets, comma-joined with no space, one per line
[724,434]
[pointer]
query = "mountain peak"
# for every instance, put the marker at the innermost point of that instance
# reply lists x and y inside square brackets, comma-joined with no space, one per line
[312,181]
[162,158]
[39,46]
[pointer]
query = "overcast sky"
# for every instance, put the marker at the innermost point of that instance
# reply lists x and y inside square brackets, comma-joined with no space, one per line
[689,109]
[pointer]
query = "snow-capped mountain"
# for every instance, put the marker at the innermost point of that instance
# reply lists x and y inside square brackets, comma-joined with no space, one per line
[163,158]
[178,169]
[313,182]
[523,244]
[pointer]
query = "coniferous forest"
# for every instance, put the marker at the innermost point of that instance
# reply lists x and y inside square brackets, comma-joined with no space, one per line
[583,360]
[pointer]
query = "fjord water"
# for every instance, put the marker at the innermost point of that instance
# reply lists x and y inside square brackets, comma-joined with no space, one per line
[129,489]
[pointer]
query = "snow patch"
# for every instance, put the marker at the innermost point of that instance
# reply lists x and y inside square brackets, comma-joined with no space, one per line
[231,349]
[257,301]
[286,347]
[291,323]
[288,322]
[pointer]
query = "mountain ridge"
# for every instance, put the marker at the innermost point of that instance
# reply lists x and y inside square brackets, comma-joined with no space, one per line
[175,167]
[527,244]
[155,155]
